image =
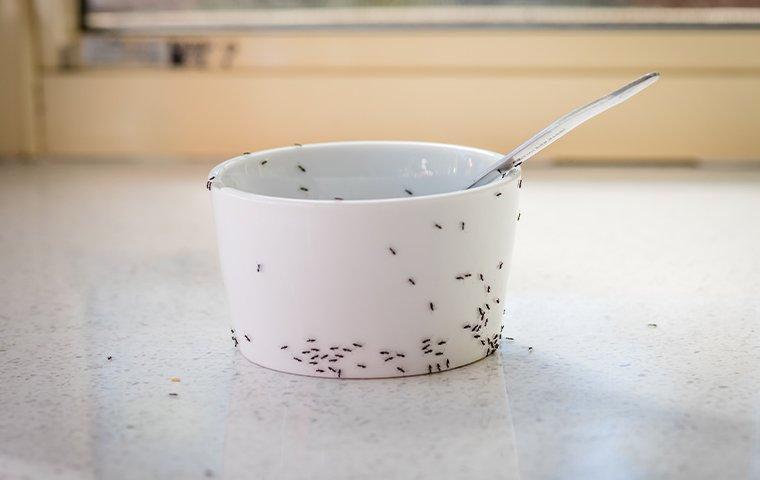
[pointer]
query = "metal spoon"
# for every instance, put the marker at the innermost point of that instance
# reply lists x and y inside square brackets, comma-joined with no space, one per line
[562,126]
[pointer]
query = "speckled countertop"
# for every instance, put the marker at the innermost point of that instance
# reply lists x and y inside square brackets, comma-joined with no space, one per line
[119,261]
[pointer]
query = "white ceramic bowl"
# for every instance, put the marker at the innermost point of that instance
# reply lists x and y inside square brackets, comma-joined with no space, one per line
[402,274]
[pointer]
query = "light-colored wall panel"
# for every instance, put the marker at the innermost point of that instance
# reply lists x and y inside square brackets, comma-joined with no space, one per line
[210,114]
[450,87]
[17,113]
[504,49]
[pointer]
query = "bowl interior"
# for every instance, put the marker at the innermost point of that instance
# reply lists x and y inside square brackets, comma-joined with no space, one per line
[355,170]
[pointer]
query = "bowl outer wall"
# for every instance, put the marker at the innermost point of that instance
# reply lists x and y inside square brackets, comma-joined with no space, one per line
[309,276]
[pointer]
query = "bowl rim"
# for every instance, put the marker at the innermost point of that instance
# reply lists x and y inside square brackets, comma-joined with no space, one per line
[510,176]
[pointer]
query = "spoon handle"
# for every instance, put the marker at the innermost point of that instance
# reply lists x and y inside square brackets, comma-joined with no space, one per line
[562,126]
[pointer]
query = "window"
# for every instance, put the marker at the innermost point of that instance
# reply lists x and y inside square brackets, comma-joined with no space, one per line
[137,15]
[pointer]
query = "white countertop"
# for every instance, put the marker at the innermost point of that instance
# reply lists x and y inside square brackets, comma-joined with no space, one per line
[120,261]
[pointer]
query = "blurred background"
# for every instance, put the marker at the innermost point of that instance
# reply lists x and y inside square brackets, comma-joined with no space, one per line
[153,80]
[632,314]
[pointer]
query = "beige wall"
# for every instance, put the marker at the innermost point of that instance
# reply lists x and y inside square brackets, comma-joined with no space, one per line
[488,88]
[485,88]
[219,114]
[17,123]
